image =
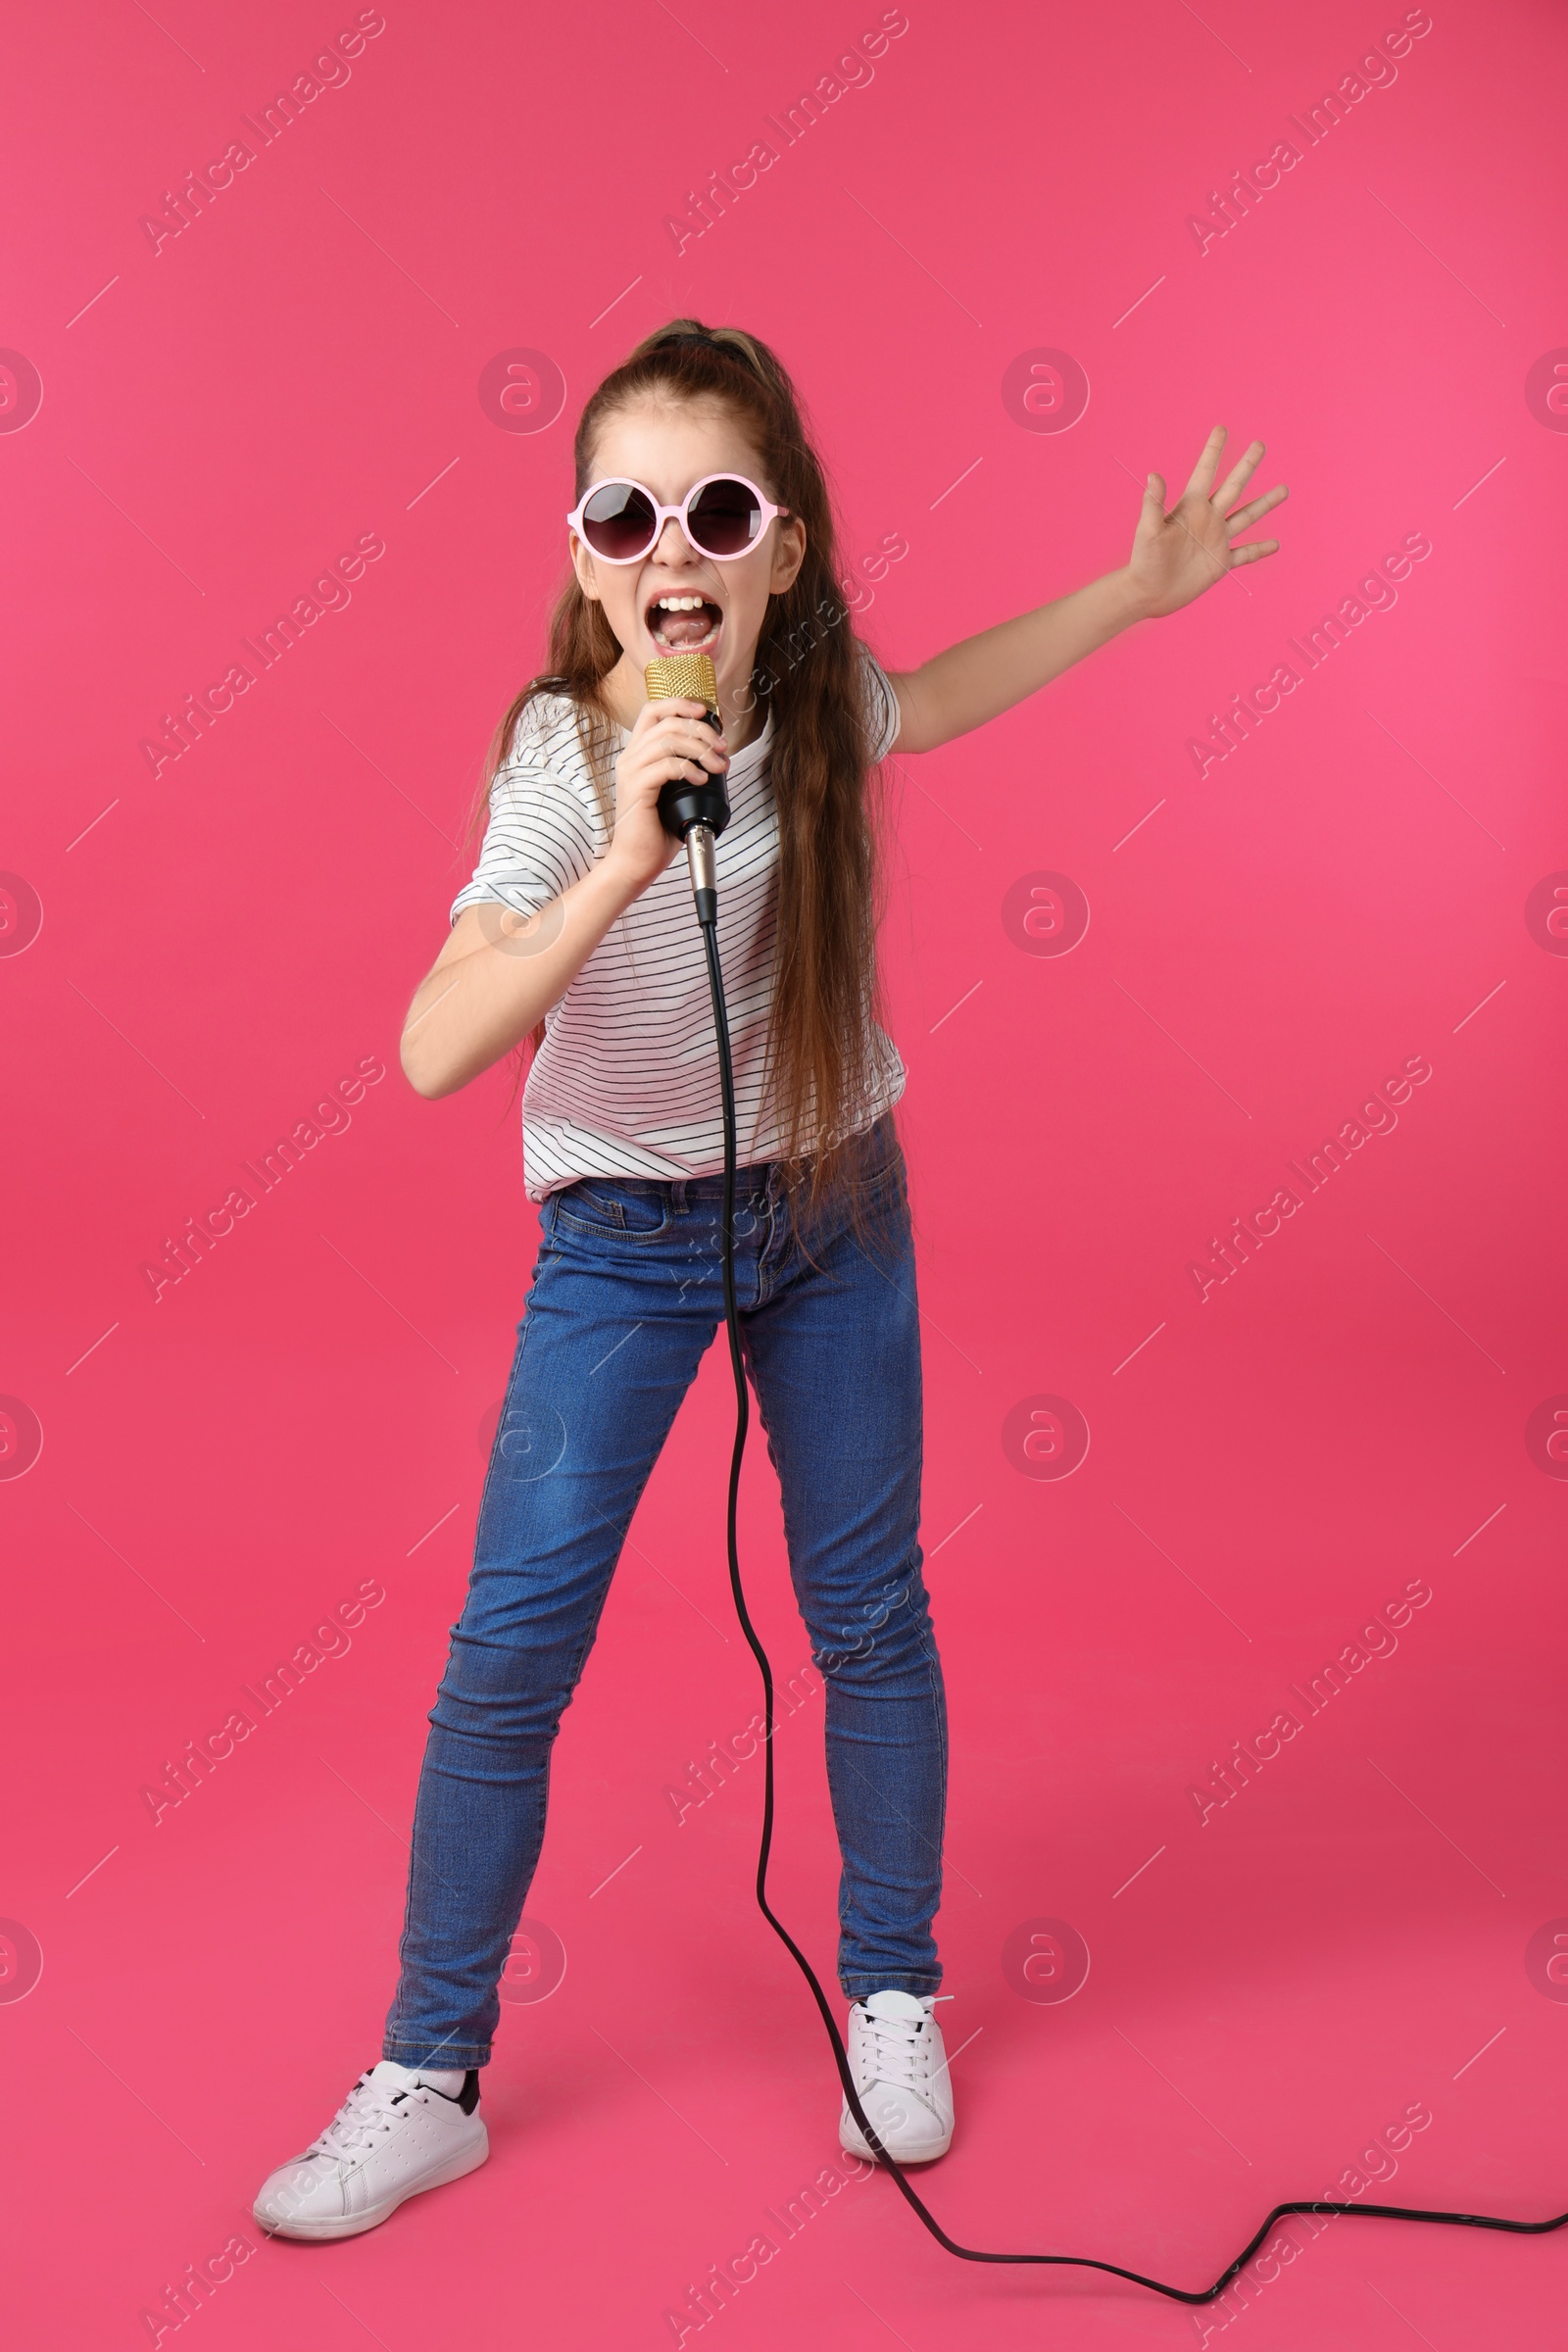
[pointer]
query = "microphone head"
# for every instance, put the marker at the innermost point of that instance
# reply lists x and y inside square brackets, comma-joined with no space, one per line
[688,674]
[682,804]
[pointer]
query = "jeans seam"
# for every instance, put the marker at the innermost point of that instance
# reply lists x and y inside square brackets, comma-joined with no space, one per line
[763,1286]
[613,1233]
[545,1260]
[620,1532]
[542,1264]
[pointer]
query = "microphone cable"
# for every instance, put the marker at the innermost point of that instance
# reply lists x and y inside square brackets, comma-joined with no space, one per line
[708,917]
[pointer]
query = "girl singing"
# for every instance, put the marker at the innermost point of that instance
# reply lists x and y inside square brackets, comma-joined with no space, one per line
[702,523]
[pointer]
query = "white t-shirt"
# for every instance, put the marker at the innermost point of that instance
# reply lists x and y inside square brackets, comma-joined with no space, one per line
[627,1080]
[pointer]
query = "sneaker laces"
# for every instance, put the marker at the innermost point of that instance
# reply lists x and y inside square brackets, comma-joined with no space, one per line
[902,2048]
[369,2110]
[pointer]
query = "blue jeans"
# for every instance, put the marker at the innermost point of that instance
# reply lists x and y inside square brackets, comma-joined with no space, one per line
[627,1296]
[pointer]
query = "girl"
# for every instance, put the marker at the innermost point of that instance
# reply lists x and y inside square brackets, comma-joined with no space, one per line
[703,523]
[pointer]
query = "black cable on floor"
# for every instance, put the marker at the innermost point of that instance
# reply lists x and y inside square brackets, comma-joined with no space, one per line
[1177,2294]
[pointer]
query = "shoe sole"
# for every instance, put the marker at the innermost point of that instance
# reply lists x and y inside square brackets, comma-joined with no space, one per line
[926,2154]
[352,2224]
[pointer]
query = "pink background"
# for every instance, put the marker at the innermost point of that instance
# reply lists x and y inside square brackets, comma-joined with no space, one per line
[305,1412]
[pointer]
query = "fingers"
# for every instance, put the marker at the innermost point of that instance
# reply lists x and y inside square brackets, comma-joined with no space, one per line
[709,751]
[1238,479]
[676,767]
[1255,509]
[1154,501]
[1207,466]
[681,712]
[706,753]
[677,723]
[1252,553]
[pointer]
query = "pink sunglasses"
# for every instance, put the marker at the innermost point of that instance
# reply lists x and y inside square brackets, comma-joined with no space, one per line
[723,516]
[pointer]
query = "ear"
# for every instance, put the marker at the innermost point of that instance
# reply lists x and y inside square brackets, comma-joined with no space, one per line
[583,565]
[788,554]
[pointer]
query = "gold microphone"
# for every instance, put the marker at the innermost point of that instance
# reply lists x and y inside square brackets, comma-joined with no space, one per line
[695,814]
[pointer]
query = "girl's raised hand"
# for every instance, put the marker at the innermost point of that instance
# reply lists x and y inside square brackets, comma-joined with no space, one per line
[670,739]
[1177,556]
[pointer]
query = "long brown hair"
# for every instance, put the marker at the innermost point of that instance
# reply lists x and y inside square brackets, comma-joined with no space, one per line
[826,993]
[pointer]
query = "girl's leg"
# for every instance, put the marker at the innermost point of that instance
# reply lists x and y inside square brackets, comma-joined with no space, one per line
[834,1351]
[578,1436]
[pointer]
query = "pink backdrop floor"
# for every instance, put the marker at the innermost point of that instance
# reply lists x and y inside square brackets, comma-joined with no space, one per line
[195,423]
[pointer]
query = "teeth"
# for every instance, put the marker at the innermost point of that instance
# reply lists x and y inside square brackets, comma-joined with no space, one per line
[680,604]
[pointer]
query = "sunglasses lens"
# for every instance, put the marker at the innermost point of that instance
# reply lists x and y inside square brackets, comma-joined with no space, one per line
[725,519]
[618,521]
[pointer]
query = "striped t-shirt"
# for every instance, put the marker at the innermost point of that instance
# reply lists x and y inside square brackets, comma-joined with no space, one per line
[627,1080]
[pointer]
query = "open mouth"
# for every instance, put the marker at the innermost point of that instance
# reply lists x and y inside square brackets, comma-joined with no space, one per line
[687,623]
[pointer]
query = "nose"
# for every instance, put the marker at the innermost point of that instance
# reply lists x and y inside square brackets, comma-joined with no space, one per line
[673,548]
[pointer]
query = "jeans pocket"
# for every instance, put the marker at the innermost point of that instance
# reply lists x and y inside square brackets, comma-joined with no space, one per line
[600,1206]
[882,1169]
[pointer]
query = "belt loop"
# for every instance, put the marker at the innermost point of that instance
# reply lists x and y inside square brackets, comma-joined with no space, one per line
[677,1196]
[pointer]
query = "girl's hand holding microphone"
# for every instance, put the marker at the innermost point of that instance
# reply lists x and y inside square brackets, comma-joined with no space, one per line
[497,977]
[671,742]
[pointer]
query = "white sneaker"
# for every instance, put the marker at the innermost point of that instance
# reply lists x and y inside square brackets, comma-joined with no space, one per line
[901,2071]
[392,2137]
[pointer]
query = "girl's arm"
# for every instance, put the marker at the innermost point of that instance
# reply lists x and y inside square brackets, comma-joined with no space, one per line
[500,973]
[1175,556]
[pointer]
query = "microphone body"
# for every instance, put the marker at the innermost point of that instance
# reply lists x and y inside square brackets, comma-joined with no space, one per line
[695,814]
